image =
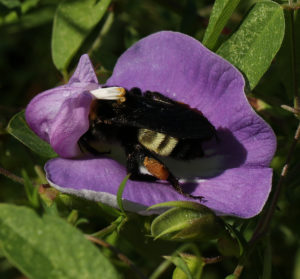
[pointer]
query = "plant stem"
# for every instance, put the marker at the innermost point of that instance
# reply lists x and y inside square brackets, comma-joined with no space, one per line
[65,75]
[11,176]
[213,260]
[293,59]
[264,222]
[106,26]
[238,271]
[121,256]
[105,231]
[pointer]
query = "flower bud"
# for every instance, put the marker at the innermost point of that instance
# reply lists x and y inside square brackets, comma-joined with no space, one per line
[195,265]
[181,224]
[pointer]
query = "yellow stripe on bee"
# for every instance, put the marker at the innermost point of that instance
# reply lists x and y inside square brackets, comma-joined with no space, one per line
[159,143]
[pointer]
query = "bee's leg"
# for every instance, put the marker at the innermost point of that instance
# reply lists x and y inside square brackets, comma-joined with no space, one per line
[160,171]
[176,185]
[135,157]
[139,157]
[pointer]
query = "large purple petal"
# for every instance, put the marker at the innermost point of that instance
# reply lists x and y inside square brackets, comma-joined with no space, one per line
[239,192]
[180,67]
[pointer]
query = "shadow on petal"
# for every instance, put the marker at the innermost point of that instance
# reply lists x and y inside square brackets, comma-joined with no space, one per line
[227,146]
[224,153]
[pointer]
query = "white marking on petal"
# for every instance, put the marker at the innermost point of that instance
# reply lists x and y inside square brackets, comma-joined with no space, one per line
[106,198]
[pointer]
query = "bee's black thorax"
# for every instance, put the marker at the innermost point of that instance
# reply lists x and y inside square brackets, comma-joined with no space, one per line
[150,120]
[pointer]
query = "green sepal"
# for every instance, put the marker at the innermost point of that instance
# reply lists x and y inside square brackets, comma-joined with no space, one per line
[194,264]
[181,265]
[205,228]
[181,204]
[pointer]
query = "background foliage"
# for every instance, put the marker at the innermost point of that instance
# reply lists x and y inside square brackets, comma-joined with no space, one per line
[44,234]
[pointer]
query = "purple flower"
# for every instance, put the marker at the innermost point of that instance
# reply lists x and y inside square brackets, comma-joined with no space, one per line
[234,175]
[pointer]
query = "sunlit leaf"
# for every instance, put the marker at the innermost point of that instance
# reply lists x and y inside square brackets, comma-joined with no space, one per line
[73,21]
[221,13]
[254,45]
[48,247]
[10,3]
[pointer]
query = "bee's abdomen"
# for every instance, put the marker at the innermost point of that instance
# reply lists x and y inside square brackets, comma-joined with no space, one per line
[158,143]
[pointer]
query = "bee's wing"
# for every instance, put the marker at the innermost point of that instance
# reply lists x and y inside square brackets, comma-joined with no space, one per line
[174,119]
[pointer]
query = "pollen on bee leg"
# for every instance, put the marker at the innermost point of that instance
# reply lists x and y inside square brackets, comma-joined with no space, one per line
[156,168]
[109,93]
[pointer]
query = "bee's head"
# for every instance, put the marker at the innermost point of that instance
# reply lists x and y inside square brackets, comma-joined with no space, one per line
[104,99]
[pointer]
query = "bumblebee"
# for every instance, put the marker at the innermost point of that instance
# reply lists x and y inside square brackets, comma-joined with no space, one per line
[147,126]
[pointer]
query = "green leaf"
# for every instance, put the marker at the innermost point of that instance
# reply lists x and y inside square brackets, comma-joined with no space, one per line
[18,128]
[296,271]
[10,3]
[73,21]
[120,192]
[253,46]
[221,13]
[31,191]
[267,267]
[48,247]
